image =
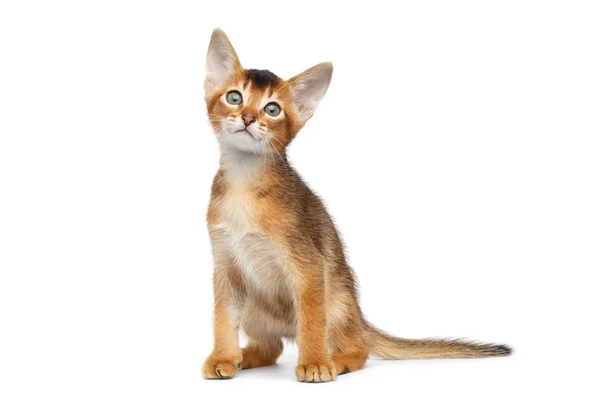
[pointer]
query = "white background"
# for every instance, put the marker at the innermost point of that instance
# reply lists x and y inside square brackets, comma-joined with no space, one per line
[457,149]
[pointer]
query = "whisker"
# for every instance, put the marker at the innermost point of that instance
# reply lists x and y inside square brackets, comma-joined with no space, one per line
[271,145]
[283,86]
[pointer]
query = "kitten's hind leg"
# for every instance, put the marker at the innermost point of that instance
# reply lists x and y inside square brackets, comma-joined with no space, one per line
[261,353]
[349,362]
[350,350]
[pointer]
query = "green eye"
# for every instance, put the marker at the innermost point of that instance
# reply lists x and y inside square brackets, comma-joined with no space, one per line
[234,97]
[272,109]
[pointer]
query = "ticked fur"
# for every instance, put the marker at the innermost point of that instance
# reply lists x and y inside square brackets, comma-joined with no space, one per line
[279,264]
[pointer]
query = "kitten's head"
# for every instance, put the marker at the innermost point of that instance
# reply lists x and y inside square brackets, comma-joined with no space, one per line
[254,110]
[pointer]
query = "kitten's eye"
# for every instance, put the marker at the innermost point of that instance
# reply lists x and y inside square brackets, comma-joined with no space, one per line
[234,97]
[272,109]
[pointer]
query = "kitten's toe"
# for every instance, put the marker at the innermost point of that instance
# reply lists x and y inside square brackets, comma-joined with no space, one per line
[316,372]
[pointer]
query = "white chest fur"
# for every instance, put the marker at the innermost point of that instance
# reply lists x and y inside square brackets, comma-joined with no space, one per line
[260,261]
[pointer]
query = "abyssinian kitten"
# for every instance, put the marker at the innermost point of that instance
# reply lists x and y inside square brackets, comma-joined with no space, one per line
[279,264]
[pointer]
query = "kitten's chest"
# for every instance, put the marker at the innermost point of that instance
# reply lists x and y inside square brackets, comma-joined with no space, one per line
[259,259]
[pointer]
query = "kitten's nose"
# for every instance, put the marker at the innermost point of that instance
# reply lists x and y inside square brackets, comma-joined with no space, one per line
[248,119]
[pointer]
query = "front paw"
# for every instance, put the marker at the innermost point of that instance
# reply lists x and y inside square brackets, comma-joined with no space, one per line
[316,372]
[216,367]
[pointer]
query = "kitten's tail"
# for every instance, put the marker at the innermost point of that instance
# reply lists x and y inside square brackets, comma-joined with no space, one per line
[392,348]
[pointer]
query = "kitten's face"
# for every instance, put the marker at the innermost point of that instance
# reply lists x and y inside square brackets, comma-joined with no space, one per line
[254,110]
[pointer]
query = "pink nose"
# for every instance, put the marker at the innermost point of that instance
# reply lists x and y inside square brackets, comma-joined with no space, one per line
[248,119]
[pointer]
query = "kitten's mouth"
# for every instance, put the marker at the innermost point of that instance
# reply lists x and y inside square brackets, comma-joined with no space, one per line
[245,132]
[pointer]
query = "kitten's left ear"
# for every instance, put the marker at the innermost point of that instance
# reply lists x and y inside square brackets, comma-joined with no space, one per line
[221,60]
[309,88]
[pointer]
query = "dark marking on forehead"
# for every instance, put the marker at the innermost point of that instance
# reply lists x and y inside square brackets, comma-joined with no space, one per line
[262,78]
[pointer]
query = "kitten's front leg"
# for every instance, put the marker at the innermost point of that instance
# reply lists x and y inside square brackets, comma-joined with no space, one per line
[226,358]
[314,362]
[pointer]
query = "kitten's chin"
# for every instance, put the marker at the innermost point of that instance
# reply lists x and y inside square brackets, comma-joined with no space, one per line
[241,141]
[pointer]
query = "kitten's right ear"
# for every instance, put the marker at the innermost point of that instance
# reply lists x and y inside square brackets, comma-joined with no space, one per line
[221,60]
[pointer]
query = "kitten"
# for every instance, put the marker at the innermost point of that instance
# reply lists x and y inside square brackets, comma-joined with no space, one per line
[279,265]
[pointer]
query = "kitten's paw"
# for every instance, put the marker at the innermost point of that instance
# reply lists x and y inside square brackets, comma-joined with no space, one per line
[221,368]
[316,372]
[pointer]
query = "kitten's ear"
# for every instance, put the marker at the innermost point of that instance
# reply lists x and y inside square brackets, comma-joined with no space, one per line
[221,60]
[309,88]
